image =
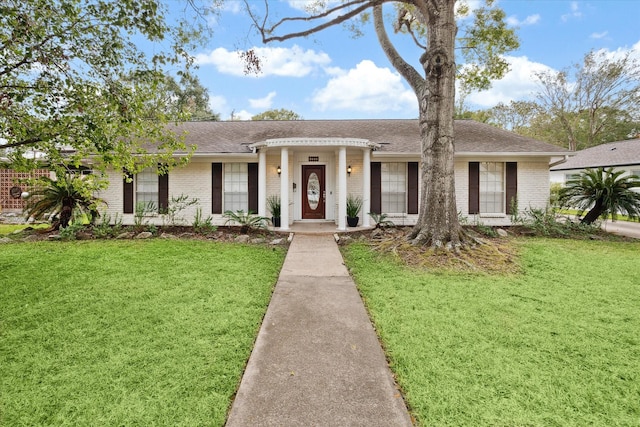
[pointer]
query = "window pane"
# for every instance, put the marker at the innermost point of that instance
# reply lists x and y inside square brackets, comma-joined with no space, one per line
[492,187]
[236,187]
[393,187]
[147,187]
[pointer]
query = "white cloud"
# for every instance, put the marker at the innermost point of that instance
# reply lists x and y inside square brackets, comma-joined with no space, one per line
[239,115]
[529,20]
[575,12]
[519,83]
[365,88]
[220,105]
[633,52]
[599,35]
[263,103]
[276,61]
[217,103]
[234,7]
[313,6]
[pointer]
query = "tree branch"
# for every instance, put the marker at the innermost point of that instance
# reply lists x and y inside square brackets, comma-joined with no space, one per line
[265,32]
[29,141]
[410,74]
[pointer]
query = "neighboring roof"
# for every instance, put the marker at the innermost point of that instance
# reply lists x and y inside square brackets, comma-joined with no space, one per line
[393,136]
[619,153]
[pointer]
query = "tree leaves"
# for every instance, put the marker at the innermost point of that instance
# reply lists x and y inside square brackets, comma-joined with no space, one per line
[65,89]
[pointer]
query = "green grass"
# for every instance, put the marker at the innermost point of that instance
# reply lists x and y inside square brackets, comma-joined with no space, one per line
[10,228]
[128,332]
[556,345]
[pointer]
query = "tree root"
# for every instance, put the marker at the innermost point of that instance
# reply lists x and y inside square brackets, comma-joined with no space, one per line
[474,254]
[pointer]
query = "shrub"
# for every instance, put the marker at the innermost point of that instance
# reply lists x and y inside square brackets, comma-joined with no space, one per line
[247,220]
[106,229]
[545,222]
[70,232]
[381,220]
[203,225]
[143,211]
[177,205]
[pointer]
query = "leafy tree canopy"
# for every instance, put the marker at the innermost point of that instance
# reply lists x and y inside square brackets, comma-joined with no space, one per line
[74,84]
[590,99]
[281,114]
[185,99]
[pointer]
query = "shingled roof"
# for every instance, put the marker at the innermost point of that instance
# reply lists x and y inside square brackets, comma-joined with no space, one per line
[394,136]
[619,153]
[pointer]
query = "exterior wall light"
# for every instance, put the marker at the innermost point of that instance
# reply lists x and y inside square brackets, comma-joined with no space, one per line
[279,170]
[349,170]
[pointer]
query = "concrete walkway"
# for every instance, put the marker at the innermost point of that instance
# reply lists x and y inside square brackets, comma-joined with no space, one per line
[622,228]
[317,360]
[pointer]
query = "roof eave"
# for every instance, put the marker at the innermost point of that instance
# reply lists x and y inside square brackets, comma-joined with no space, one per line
[512,153]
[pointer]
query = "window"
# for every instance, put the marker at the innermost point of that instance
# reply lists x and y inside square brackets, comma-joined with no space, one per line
[393,180]
[569,176]
[492,187]
[147,188]
[236,187]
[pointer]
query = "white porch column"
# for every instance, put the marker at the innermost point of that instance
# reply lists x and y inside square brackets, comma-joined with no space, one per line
[342,188]
[284,188]
[366,187]
[262,182]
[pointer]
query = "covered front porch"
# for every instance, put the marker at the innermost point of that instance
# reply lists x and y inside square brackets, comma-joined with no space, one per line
[314,177]
[318,227]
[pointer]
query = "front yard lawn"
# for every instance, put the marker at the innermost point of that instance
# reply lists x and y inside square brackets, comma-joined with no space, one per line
[554,345]
[129,333]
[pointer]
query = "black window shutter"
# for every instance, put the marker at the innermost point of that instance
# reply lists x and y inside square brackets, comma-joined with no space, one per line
[376,187]
[216,188]
[412,187]
[474,188]
[252,169]
[163,192]
[511,189]
[127,184]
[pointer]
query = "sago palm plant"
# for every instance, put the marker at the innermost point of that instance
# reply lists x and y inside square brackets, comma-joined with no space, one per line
[246,220]
[602,192]
[61,197]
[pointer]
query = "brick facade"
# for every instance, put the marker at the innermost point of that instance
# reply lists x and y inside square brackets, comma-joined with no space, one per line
[10,178]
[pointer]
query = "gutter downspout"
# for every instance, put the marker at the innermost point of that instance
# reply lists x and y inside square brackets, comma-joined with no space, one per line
[559,162]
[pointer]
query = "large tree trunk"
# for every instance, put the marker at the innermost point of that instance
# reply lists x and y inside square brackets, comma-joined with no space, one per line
[438,223]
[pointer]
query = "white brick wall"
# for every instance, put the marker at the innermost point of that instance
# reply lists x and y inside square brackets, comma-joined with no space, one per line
[533,185]
[194,180]
[533,189]
[113,195]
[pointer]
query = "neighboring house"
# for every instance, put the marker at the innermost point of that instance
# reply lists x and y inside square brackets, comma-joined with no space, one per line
[621,155]
[12,185]
[314,165]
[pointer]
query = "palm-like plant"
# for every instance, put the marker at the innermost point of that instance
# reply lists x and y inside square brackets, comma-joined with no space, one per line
[602,192]
[247,220]
[61,196]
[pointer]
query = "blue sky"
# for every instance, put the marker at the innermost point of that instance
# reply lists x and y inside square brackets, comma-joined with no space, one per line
[334,76]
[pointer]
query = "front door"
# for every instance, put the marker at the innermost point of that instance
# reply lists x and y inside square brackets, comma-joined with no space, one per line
[313,194]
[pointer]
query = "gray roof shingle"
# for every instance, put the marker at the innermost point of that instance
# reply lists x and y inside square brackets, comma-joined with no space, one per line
[619,153]
[393,135]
